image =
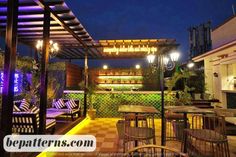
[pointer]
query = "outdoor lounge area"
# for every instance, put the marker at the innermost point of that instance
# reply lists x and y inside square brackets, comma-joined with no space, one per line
[54,104]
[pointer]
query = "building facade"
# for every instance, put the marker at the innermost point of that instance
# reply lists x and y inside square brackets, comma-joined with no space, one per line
[220,64]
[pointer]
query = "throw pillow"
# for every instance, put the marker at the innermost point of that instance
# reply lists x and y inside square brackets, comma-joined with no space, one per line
[59,104]
[71,104]
[16,109]
[24,105]
[34,109]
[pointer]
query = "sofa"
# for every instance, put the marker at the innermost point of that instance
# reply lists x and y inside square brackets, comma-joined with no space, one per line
[70,112]
[28,123]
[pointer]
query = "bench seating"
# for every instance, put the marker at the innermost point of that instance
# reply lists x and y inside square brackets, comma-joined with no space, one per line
[67,111]
[28,123]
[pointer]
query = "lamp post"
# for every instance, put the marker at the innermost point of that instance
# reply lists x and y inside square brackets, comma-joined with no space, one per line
[164,62]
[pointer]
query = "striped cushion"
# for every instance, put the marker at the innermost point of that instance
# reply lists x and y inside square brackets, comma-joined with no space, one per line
[59,104]
[16,109]
[71,104]
[34,109]
[24,106]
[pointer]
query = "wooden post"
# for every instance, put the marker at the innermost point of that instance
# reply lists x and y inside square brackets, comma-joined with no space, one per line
[85,82]
[9,72]
[44,72]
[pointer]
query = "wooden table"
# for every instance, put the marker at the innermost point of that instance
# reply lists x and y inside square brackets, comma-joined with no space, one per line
[188,110]
[231,120]
[137,109]
[54,114]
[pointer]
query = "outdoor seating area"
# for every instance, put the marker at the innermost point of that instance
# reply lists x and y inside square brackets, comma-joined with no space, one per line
[77,96]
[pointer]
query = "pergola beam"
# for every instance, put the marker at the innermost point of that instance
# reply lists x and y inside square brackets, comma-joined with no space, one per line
[61,22]
[44,72]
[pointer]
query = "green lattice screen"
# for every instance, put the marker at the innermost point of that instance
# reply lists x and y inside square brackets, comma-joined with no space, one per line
[107,104]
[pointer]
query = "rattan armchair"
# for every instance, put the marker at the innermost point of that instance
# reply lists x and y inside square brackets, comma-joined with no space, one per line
[206,137]
[154,151]
[139,129]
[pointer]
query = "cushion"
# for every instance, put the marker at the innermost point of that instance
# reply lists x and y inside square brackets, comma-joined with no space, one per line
[34,109]
[24,106]
[71,104]
[59,104]
[16,109]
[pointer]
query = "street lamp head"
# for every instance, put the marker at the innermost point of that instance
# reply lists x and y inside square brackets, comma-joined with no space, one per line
[151,58]
[166,60]
[190,65]
[174,56]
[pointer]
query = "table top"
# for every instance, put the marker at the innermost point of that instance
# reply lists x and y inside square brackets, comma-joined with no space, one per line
[231,120]
[189,109]
[53,114]
[137,109]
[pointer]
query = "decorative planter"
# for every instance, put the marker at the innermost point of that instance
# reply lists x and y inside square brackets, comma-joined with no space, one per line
[197,96]
[92,114]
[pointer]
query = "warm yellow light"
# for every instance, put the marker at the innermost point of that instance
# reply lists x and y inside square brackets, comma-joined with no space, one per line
[165,60]
[130,48]
[119,77]
[73,131]
[53,46]
[105,67]
[190,65]
[120,85]
[151,58]
[137,66]
[174,56]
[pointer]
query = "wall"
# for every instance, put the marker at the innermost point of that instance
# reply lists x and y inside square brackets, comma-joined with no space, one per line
[225,33]
[73,75]
[107,103]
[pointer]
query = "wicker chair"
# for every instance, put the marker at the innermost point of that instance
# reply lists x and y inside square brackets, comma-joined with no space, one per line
[138,129]
[174,122]
[206,137]
[154,151]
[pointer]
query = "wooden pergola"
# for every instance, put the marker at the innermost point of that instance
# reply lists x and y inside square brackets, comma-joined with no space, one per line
[27,21]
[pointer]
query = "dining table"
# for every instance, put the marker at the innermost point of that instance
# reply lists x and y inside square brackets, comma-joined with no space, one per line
[137,109]
[185,110]
[231,120]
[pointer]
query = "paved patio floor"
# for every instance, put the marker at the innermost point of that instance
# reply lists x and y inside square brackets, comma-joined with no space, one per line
[108,144]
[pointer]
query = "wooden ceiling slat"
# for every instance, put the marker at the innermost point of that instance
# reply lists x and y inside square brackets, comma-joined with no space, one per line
[72,53]
[35,12]
[32,3]
[81,54]
[38,25]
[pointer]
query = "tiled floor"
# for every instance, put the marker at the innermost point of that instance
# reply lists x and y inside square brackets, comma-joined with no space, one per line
[108,144]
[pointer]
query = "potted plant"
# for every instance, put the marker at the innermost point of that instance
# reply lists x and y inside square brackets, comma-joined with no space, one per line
[90,90]
[181,98]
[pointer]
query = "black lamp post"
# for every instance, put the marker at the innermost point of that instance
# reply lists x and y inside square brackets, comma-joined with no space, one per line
[163,63]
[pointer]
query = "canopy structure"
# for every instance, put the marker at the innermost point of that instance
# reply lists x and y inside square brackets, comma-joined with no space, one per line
[65,28]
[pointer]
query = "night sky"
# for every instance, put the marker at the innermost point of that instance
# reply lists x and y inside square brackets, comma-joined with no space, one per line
[137,19]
